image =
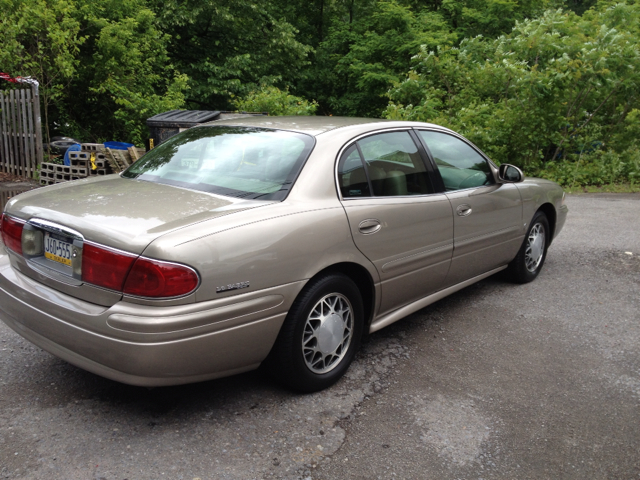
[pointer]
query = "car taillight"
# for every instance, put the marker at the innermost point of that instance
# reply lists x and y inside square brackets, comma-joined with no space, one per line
[157,279]
[105,267]
[12,233]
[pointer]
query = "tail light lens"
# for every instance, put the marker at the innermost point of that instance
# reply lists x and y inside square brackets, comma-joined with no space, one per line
[118,270]
[157,279]
[133,275]
[105,267]
[12,233]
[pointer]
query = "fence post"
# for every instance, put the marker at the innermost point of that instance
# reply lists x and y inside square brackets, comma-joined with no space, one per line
[20,167]
[38,125]
[5,137]
[32,137]
[15,158]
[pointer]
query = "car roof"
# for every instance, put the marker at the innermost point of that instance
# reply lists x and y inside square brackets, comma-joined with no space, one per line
[312,125]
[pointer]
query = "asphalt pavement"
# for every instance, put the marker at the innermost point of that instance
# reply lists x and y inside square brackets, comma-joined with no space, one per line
[498,381]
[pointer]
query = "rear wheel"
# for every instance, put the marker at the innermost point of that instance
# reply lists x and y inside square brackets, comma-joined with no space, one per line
[530,258]
[320,335]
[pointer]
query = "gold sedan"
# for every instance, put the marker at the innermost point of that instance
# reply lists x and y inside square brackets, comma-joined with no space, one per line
[276,240]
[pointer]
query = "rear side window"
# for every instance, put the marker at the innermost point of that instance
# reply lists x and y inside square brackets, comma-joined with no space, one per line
[383,165]
[353,177]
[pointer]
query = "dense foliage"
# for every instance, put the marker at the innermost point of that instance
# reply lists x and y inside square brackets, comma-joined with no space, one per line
[550,85]
[274,101]
[103,66]
[557,90]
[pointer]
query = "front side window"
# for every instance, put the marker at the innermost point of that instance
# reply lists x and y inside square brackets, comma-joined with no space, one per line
[242,162]
[383,165]
[460,166]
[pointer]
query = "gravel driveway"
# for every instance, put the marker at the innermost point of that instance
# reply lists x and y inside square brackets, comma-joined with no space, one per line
[497,381]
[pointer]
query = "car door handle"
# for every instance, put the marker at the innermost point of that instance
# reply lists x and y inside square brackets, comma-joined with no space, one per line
[463,210]
[369,226]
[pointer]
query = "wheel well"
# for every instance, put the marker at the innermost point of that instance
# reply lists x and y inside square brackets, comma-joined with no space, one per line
[550,212]
[363,281]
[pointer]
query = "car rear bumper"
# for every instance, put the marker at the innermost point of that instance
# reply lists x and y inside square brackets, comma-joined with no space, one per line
[143,345]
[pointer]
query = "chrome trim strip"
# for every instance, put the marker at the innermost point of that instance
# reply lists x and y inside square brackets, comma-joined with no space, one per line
[402,312]
[16,219]
[111,249]
[56,228]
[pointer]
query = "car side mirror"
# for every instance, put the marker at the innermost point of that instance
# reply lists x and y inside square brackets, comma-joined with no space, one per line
[510,174]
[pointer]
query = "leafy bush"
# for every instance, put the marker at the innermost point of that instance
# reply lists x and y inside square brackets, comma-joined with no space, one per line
[275,102]
[600,168]
[557,89]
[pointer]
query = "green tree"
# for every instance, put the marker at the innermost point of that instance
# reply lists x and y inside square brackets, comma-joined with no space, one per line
[359,61]
[103,67]
[229,47]
[489,18]
[126,75]
[41,39]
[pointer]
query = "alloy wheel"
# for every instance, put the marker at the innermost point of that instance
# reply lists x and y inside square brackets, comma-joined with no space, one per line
[535,247]
[327,333]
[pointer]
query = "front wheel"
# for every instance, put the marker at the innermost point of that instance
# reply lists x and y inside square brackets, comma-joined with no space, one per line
[320,336]
[530,258]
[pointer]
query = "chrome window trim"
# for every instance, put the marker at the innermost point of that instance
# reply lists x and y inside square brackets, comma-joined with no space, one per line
[492,166]
[352,142]
[458,136]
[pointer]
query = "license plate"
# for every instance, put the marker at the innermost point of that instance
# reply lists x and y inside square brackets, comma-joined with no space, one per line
[57,250]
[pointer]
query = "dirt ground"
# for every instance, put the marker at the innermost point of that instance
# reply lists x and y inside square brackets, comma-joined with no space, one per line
[12,179]
[498,381]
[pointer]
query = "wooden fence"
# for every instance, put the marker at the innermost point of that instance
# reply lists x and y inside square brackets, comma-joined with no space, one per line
[5,195]
[20,131]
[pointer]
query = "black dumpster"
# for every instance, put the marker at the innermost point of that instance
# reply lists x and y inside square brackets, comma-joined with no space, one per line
[166,125]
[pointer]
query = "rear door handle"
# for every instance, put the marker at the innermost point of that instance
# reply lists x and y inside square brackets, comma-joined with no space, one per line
[369,226]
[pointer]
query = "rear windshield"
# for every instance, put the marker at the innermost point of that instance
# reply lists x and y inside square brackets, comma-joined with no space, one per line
[242,162]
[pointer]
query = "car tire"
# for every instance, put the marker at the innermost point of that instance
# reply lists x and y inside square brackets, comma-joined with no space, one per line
[320,335]
[531,256]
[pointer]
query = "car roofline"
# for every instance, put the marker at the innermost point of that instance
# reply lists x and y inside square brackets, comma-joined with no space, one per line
[315,125]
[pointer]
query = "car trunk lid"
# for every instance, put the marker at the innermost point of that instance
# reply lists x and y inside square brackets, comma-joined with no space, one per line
[123,213]
[114,212]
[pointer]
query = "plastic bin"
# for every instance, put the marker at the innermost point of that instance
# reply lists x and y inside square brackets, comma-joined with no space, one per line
[166,125]
[118,145]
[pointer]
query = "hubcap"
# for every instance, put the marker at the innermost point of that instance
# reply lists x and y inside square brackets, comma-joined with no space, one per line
[535,247]
[327,333]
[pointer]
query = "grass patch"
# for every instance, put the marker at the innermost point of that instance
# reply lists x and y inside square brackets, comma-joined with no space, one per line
[613,188]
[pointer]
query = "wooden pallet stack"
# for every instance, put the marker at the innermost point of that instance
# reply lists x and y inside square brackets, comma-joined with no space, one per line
[93,159]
